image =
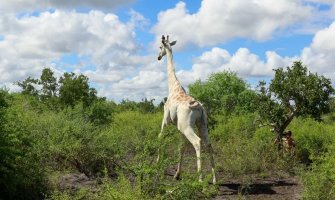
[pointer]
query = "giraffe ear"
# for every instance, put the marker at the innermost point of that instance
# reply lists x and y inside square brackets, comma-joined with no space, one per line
[173,43]
[163,39]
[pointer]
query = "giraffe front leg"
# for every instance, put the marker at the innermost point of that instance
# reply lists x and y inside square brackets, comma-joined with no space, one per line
[181,155]
[160,135]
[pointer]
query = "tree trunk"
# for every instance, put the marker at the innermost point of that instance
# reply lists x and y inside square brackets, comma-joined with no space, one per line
[279,129]
[279,139]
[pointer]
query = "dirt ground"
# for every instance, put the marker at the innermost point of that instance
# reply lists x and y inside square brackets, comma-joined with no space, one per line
[271,185]
[261,188]
[280,186]
[276,185]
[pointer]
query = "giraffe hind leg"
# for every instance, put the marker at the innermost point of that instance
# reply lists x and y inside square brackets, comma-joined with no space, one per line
[195,141]
[203,130]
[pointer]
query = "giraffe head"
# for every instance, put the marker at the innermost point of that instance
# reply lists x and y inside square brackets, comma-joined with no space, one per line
[165,45]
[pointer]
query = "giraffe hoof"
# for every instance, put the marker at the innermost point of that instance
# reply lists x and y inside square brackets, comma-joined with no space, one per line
[177,177]
[200,178]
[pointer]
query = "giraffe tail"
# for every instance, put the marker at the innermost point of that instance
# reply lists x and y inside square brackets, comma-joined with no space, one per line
[204,123]
[195,104]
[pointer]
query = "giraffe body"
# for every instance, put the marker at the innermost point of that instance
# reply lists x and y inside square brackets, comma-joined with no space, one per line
[185,112]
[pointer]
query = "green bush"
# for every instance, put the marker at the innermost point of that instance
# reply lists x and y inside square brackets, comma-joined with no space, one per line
[100,112]
[67,141]
[233,126]
[119,146]
[316,147]
[21,173]
[242,148]
[319,181]
[122,189]
[312,138]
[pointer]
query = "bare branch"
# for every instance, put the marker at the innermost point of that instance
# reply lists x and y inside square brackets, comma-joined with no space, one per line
[263,124]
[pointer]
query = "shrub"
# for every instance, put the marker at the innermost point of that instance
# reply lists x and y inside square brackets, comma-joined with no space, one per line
[21,173]
[100,112]
[234,126]
[312,138]
[67,141]
[319,182]
[242,148]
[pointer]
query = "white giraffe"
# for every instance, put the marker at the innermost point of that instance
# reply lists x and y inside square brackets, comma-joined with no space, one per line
[185,112]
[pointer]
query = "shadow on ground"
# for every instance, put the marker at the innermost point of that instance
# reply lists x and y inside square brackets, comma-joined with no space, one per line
[252,189]
[272,187]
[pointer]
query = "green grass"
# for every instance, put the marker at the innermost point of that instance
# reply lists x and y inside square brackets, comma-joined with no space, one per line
[41,145]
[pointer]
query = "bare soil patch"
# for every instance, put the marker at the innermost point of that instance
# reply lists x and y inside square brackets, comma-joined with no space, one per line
[274,186]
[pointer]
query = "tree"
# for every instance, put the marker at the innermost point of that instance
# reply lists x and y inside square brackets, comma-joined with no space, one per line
[147,106]
[224,93]
[144,106]
[49,83]
[28,86]
[74,89]
[100,111]
[3,140]
[293,92]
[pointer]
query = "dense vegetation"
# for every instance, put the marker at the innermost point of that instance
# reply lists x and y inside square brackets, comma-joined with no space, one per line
[57,128]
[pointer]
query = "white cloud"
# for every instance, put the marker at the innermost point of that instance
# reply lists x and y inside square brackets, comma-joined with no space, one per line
[322,39]
[319,56]
[243,62]
[96,4]
[51,34]
[144,79]
[149,84]
[110,52]
[219,21]
[322,1]
[15,6]
[20,5]
[32,42]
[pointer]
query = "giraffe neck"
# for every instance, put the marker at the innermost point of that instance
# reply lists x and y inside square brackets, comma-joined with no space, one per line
[173,82]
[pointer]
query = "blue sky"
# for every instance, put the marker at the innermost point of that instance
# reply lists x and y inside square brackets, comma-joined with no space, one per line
[115,43]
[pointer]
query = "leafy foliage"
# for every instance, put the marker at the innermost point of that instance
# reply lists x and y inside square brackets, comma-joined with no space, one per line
[144,106]
[21,176]
[59,126]
[293,92]
[70,89]
[28,86]
[319,181]
[224,93]
[100,111]
[74,89]
[49,83]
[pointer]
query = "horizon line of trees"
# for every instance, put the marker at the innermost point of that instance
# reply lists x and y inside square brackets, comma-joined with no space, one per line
[69,89]
[72,90]
[294,91]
